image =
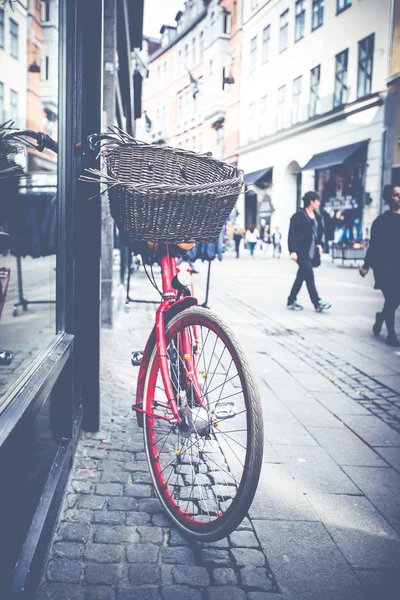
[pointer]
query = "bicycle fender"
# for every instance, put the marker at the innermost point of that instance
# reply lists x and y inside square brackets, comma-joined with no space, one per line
[173,310]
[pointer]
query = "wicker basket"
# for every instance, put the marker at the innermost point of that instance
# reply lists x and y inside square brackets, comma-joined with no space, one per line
[159,193]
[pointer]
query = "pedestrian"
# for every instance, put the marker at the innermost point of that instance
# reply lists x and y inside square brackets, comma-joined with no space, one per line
[276,241]
[252,236]
[305,247]
[237,238]
[383,256]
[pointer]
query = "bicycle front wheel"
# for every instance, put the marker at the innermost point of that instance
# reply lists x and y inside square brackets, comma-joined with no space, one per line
[206,469]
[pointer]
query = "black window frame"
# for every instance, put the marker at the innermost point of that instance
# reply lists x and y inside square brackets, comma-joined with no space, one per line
[346,4]
[46,11]
[300,20]
[284,31]
[265,43]
[14,38]
[14,117]
[317,14]
[342,61]
[2,29]
[313,109]
[365,64]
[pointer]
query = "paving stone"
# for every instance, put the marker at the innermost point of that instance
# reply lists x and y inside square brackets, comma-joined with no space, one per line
[142,553]
[60,591]
[109,517]
[178,555]
[122,503]
[255,577]
[144,574]
[92,502]
[140,477]
[96,573]
[79,515]
[138,490]
[151,506]
[243,539]
[74,532]
[262,596]
[72,499]
[245,525]
[137,518]
[68,549]
[109,489]
[95,453]
[161,520]
[224,577]
[82,487]
[64,570]
[195,576]
[136,466]
[98,592]
[215,558]
[115,534]
[176,538]
[104,553]
[142,592]
[151,534]
[166,574]
[225,593]
[244,557]
[114,476]
[180,592]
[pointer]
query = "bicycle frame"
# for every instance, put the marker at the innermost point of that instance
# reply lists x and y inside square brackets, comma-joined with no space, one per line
[170,306]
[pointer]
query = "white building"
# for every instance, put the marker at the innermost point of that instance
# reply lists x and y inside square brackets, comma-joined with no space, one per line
[312,108]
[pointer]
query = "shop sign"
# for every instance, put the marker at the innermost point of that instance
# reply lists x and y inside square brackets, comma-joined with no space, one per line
[343,203]
[266,208]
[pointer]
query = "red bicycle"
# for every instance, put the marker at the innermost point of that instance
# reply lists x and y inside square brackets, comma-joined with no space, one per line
[198,405]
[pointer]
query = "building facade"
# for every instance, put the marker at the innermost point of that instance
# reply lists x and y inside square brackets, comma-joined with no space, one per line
[312,110]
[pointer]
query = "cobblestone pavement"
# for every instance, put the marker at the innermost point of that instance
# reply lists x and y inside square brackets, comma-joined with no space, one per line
[325,521]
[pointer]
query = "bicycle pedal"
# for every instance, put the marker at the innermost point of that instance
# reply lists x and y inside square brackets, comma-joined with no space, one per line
[136,357]
[224,410]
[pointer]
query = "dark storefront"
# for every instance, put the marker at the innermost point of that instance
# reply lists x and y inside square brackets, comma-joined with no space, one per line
[340,181]
[50,391]
[256,212]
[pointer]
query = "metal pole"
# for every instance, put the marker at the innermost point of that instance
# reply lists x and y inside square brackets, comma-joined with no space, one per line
[205,303]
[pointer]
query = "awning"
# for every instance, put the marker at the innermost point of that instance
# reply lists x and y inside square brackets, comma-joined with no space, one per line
[256,177]
[338,156]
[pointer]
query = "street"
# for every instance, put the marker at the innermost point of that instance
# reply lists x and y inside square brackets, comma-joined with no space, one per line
[325,521]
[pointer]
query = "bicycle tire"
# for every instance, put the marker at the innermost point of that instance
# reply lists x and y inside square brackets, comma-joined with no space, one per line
[205,521]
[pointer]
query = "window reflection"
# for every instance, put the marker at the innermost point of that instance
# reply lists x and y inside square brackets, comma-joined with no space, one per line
[28,204]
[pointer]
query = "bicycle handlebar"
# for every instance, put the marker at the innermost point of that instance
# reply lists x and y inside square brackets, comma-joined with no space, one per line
[45,141]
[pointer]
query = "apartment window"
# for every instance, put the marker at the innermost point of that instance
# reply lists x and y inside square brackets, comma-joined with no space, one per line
[263,115]
[14,38]
[234,13]
[317,13]
[46,73]
[211,68]
[201,44]
[252,117]
[342,5]
[300,20]
[194,51]
[254,4]
[1,28]
[297,84]
[14,107]
[253,54]
[315,77]
[180,108]
[284,31]
[265,46]
[341,90]
[46,11]
[2,115]
[365,60]
[226,22]
[186,54]
[281,107]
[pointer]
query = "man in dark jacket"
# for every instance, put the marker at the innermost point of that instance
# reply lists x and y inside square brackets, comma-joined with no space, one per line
[383,256]
[305,247]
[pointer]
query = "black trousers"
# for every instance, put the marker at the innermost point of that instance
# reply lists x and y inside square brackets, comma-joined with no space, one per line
[305,273]
[391,294]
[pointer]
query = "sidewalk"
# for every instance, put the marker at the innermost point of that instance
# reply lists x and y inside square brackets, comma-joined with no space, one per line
[325,522]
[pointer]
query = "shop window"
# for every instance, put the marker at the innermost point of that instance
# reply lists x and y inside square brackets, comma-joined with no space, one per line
[365,61]
[297,84]
[281,107]
[317,13]
[1,28]
[315,78]
[28,315]
[300,20]
[341,5]
[14,38]
[265,46]
[284,31]
[341,90]
[253,54]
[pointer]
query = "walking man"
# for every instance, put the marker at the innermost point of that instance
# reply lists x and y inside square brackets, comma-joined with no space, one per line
[276,241]
[305,247]
[383,255]
[237,238]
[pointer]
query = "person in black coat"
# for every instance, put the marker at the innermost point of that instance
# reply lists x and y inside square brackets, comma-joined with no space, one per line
[305,247]
[383,256]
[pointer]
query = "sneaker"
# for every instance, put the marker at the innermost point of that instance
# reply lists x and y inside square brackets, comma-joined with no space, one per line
[393,340]
[322,306]
[294,305]
[377,327]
